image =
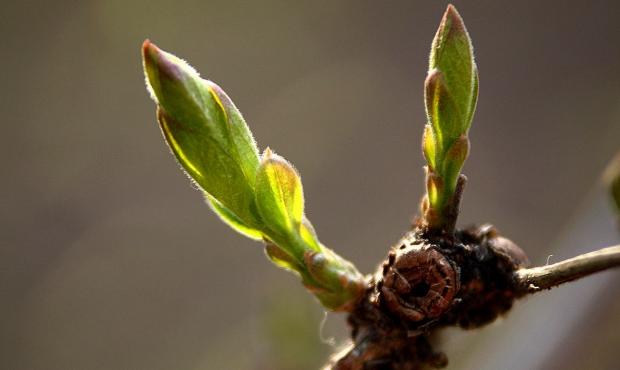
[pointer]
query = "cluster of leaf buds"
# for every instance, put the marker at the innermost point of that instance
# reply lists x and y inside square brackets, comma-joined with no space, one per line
[451,91]
[261,197]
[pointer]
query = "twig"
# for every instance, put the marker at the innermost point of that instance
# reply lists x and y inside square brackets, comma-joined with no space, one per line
[538,278]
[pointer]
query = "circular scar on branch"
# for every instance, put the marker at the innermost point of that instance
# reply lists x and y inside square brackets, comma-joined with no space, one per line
[419,282]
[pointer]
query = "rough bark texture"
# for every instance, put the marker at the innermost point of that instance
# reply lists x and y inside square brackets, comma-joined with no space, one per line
[425,284]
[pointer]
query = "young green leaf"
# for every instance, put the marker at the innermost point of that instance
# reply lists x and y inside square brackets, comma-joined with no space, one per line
[444,116]
[450,93]
[207,134]
[293,243]
[452,55]
[279,194]
[263,201]
[231,219]
[282,258]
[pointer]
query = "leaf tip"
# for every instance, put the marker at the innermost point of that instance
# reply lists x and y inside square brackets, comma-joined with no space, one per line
[267,154]
[452,23]
[148,54]
[451,28]
[164,71]
[152,57]
[452,15]
[433,74]
[147,47]
[432,78]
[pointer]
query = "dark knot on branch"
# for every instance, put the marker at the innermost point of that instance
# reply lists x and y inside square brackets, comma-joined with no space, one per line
[418,281]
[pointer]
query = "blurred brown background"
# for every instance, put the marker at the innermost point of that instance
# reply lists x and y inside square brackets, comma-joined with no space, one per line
[110,260]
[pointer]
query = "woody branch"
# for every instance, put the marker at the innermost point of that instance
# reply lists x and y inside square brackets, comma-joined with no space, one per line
[545,277]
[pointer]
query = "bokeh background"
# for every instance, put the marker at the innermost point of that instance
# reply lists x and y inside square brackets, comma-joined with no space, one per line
[110,260]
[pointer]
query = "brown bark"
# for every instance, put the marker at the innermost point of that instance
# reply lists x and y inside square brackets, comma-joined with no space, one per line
[545,277]
[431,282]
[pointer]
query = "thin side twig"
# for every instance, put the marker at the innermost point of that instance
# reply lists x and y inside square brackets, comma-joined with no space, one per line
[546,277]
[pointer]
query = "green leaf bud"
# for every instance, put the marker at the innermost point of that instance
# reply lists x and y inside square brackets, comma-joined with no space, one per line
[450,94]
[279,194]
[429,147]
[452,54]
[208,136]
[261,199]
[335,281]
[293,243]
[453,162]
[444,116]
[282,258]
